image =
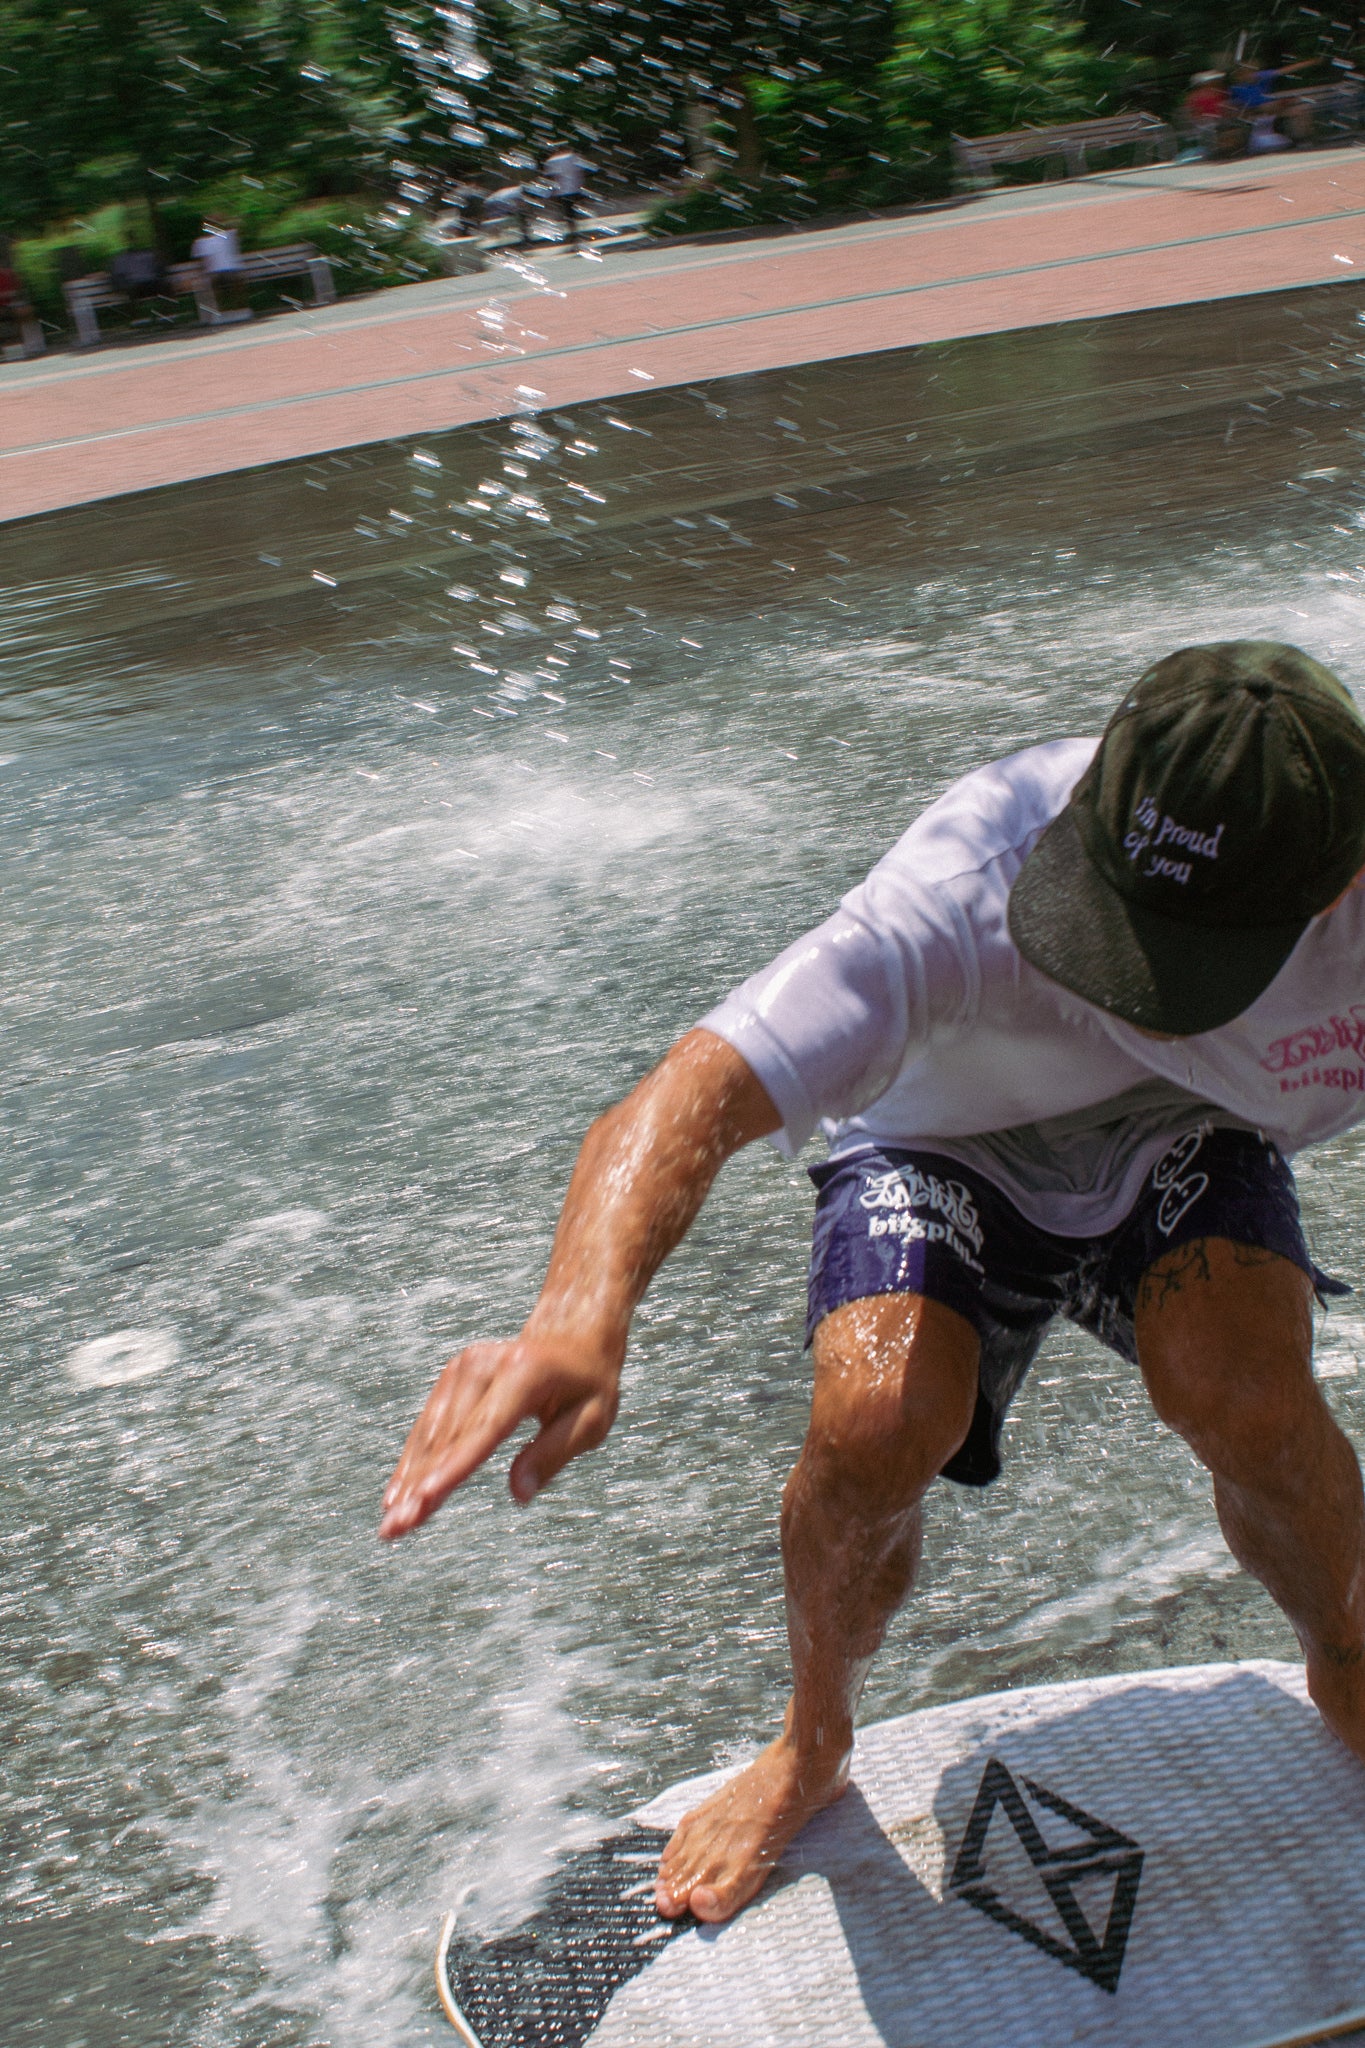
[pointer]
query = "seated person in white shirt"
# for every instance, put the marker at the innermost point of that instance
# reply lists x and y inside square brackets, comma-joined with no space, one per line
[219,249]
[1064,1039]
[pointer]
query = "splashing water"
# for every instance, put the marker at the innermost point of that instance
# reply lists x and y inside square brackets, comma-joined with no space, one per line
[330,945]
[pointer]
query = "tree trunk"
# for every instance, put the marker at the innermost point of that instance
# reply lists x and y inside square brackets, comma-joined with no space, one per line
[748,143]
[701,153]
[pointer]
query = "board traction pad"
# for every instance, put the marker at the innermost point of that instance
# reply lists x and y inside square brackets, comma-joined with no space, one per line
[1139,1861]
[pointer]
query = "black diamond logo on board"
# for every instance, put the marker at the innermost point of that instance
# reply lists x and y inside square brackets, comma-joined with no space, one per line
[1101,1852]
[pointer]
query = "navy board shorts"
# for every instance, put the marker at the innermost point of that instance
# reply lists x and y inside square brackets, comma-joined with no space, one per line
[915,1222]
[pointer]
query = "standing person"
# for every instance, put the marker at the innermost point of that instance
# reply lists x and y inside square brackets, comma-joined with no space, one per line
[1063,1038]
[15,304]
[566,172]
[466,202]
[219,250]
[508,203]
[1204,110]
[1255,98]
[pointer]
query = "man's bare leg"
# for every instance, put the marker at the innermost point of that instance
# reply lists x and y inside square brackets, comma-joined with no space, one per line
[1225,1336]
[895,1387]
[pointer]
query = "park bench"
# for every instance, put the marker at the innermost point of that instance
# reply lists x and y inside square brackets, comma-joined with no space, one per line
[298,259]
[977,155]
[1335,109]
[459,254]
[87,296]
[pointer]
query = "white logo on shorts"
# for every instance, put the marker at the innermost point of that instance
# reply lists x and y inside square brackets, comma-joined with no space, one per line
[1179,1190]
[906,1189]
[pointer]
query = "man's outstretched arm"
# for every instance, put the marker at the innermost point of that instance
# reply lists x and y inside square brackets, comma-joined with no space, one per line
[642,1174]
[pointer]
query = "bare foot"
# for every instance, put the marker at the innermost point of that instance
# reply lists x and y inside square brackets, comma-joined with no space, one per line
[720,1855]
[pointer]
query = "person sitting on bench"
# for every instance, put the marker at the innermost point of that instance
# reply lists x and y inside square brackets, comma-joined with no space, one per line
[219,249]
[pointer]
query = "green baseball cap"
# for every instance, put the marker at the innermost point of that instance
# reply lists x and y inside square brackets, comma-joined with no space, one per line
[1224,809]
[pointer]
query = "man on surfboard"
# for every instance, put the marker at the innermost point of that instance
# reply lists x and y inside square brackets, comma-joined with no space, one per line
[1063,1039]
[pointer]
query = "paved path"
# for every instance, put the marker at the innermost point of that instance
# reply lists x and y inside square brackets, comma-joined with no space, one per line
[569,328]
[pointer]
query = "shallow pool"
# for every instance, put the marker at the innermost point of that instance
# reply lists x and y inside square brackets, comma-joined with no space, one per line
[371,823]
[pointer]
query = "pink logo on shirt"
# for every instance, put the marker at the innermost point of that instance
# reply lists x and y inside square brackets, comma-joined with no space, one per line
[1317,1042]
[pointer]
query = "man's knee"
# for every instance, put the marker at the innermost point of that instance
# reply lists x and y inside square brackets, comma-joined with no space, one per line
[1225,1337]
[895,1389]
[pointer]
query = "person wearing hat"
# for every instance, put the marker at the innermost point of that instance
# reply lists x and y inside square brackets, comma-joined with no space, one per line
[1063,1039]
[1203,112]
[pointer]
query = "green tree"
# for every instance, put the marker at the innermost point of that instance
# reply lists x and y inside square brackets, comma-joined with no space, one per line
[475,89]
[976,67]
[862,104]
[1173,42]
[758,100]
[150,100]
[640,86]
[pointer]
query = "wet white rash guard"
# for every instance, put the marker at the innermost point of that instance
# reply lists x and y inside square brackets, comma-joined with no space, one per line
[910,1018]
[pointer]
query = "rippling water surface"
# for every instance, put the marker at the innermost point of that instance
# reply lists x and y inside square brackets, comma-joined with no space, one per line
[334,914]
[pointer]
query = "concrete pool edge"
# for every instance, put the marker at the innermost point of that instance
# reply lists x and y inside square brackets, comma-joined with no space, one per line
[561,331]
[330,545]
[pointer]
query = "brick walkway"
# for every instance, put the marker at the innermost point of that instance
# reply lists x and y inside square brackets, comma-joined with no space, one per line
[573,328]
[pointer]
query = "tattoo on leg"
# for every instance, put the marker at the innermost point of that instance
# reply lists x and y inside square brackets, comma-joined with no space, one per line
[1343,1656]
[1173,1273]
[1252,1255]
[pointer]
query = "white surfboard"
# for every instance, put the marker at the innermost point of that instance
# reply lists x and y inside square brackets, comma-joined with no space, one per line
[1152,1861]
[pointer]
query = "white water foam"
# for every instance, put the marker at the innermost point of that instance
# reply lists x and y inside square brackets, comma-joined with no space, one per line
[1340,1346]
[122,1357]
[336,1882]
[294,1226]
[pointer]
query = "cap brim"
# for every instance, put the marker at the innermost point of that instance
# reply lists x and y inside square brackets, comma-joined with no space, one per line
[1156,972]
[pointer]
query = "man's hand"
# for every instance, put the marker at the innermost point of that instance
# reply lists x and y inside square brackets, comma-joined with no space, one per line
[482,1396]
[641,1177]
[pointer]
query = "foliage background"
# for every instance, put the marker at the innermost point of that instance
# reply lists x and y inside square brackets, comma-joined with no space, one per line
[345,121]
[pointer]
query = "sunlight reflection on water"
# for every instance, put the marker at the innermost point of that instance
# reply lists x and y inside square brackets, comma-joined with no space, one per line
[327,947]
